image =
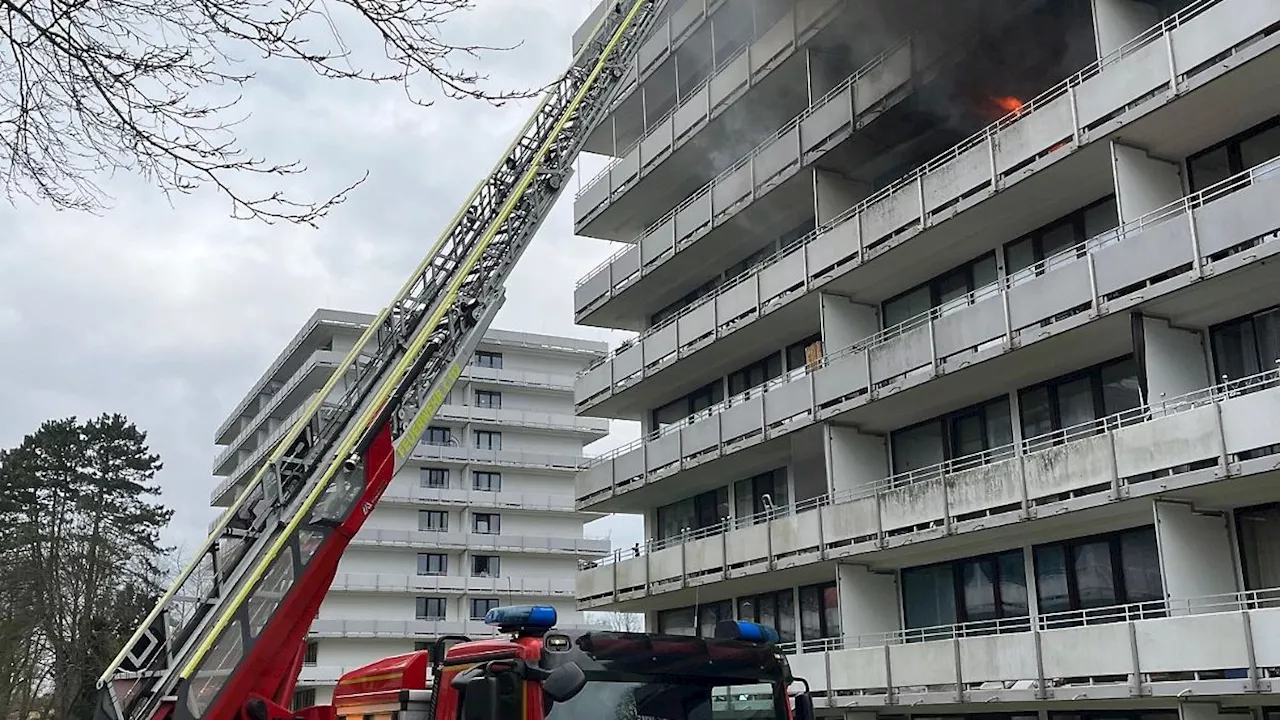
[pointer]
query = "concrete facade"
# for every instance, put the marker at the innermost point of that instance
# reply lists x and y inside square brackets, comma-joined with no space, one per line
[958,353]
[482,515]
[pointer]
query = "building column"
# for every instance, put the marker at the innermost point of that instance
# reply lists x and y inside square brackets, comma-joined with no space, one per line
[1116,22]
[833,194]
[1171,361]
[854,461]
[1143,183]
[868,602]
[1197,556]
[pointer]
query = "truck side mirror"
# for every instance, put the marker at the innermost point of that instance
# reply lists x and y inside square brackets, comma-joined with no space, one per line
[804,707]
[564,682]
[480,699]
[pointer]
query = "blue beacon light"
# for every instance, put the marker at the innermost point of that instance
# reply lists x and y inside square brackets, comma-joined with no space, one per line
[520,617]
[745,631]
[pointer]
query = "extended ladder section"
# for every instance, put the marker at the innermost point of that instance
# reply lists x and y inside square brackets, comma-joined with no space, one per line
[240,611]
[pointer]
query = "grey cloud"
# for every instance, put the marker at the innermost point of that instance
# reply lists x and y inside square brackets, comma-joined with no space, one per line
[169,312]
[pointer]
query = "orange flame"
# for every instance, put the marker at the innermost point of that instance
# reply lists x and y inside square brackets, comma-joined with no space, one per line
[1009,104]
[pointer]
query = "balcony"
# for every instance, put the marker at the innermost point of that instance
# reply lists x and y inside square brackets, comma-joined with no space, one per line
[602,201]
[590,428]
[517,378]
[222,495]
[456,454]
[303,344]
[387,538]
[1158,255]
[393,583]
[1122,456]
[1039,151]
[538,502]
[1218,645]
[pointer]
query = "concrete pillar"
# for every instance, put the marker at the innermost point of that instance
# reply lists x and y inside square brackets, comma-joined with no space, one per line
[1197,556]
[1173,360]
[855,461]
[868,602]
[845,322]
[1116,22]
[1143,183]
[833,194]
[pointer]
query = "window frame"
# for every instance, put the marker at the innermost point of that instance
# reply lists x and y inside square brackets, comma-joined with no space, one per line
[426,475]
[1115,548]
[488,604]
[495,561]
[948,423]
[487,359]
[493,521]
[1080,230]
[934,285]
[423,604]
[428,515]
[428,557]
[488,399]
[430,434]
[825,631]
[960,609]
[1096,388]
[1235,158]
[493,440]
[493,481]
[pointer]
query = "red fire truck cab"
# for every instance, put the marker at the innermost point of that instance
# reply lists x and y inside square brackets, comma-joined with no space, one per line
[539,673]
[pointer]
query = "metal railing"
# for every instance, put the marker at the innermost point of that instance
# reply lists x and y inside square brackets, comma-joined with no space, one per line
[819,104]
[1152,411]
[985,135]
[1178,208]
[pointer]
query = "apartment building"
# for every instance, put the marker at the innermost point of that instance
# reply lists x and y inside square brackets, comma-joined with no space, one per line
[958,348]
[482,515]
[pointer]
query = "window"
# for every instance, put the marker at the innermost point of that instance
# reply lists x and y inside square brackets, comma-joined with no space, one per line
[304,698]
[433,520]
[481,606]
[700,622]
[488,440]
[486,523]
[434,478]
[701,511]
[487,360]
[819,612]
[681,408]
[485,566]
[1258,528]
[755,374]
[1249,149]
[1062,234]
[432,564]
[1077,399]
[431,608]
[796,351]
[438,436]
[749,495]
[489,399]
[311,654]
[951,285]
[960,434]
[1098,571]
[776,609]
[1247,346]
[486,481]
[989,587]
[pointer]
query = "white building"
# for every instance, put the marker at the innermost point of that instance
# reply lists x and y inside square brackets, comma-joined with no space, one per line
[483,514]
[958,346]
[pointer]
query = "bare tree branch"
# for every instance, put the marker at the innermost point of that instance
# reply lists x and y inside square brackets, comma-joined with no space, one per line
[92,87]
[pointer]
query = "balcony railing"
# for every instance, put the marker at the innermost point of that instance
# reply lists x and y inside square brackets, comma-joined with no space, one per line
[948,337]
[1055,122]
[383,537]
[405,583]
[1220,644]
[479,498]
[1106,459]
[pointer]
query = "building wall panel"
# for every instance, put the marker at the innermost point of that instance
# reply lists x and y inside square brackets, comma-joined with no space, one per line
[1073,466]
[1167,442]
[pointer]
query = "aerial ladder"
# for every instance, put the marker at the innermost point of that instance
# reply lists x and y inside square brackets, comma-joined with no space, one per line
[226,640]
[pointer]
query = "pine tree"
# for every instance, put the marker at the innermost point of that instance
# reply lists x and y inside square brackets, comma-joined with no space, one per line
[85,554]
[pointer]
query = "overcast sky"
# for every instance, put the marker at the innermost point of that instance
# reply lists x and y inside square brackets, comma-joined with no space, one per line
[169,312]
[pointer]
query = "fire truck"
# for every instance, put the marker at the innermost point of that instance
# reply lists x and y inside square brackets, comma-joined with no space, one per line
[226,640]
[538,673]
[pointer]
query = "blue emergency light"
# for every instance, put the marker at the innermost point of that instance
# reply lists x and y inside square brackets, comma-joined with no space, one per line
[522,617]
[745,631]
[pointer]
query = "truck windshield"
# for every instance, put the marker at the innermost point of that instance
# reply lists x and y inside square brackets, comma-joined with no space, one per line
[671,699]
